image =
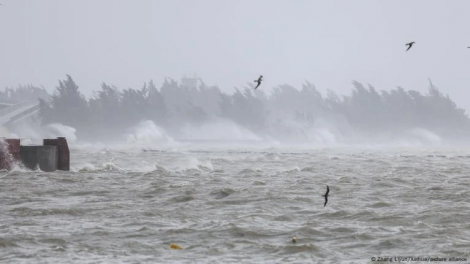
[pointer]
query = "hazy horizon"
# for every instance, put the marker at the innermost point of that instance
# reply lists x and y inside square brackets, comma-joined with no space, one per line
[229,43]
[181,111]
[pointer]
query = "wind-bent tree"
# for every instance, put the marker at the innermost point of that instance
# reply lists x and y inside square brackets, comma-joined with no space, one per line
[287,111]
[67,105]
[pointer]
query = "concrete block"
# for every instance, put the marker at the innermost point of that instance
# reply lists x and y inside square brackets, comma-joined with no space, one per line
[44,157]
[64,152]
[53,155]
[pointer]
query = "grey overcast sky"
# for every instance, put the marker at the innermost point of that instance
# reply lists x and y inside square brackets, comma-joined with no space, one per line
[231,42]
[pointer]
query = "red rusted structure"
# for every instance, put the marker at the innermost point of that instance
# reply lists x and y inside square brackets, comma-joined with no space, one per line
[9,152]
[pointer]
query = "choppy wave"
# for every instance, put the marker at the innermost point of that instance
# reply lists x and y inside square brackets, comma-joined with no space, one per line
[239,205]
[147,133]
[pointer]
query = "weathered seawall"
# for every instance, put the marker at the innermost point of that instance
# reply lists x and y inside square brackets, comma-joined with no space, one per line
[53,155]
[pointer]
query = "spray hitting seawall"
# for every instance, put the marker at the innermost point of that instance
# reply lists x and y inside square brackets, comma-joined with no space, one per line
[5,157]
[8,153]
[34,132]
[59,130]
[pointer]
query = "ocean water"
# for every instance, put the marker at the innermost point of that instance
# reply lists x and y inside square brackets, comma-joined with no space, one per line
[239,203]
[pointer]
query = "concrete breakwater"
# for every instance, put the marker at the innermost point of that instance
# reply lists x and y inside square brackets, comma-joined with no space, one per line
[53,155]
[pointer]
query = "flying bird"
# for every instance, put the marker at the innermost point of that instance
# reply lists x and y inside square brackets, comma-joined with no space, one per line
[409,45]
[260,79]
[326,195]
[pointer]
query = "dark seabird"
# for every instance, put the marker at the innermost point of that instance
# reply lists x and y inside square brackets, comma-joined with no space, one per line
[409,45]
[259,81]
[326,195]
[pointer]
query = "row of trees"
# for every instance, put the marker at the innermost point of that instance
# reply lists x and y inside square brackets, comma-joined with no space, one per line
[110,110]
[23,92]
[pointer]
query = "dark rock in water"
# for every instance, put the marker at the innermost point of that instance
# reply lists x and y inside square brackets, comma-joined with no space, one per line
[222,193]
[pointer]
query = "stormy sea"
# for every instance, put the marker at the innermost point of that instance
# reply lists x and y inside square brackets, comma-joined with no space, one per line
[240,202]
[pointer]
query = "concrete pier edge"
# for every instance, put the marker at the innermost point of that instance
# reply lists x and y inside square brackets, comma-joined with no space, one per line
[53,155]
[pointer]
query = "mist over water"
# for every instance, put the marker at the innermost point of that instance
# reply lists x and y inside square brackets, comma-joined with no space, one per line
[218,130]
[190,110]
[147,133]
[232,178]
[33,132]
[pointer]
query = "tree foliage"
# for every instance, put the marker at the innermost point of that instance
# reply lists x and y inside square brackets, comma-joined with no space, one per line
[174,105]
